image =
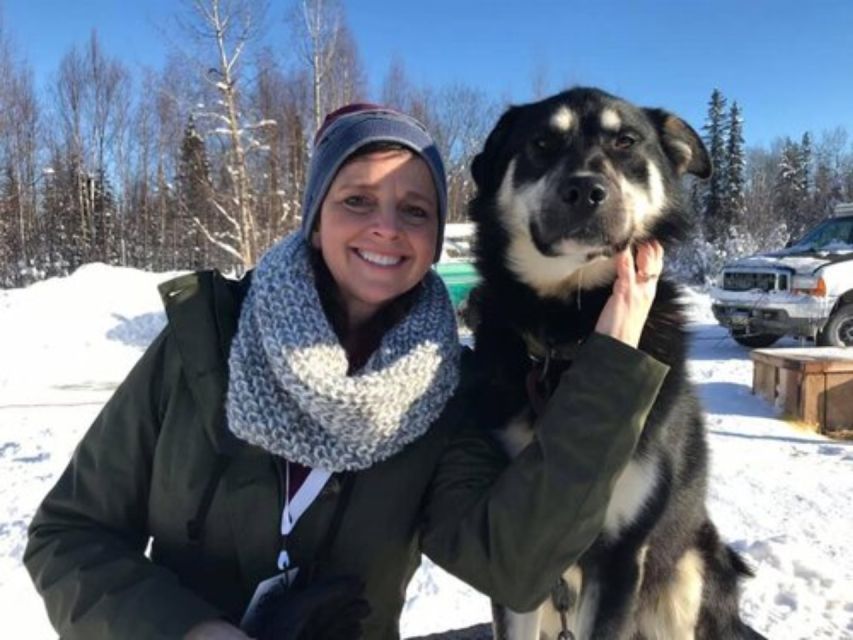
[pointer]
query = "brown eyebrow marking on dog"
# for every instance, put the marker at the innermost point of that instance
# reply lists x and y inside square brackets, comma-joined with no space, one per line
[563,119]
[611,120]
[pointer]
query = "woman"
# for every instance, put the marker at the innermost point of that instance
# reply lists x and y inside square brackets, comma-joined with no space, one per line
[291,442]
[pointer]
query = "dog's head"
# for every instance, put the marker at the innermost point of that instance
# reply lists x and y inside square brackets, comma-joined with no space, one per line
[578,176]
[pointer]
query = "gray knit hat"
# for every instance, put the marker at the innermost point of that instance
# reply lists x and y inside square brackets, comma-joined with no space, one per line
[348,129]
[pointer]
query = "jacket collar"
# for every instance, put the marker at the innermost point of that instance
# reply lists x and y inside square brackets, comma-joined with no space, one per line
[203,309]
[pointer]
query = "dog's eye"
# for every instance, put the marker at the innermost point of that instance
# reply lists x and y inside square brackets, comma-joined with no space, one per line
[625,141]
[545,144]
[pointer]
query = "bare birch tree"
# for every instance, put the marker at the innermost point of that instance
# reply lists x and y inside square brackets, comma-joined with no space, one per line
[281,97]
[317,27]
[396,89]
[347,80]
[92,98]
[226,28]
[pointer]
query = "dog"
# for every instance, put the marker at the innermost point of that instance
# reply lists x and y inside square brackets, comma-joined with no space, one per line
[562,185]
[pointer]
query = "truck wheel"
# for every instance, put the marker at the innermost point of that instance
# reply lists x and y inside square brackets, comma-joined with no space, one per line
[838,331]
[755,340]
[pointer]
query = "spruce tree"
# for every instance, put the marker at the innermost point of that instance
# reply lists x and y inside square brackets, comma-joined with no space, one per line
[788,196]
[106,240]
[805,163]
[715,193]
[733,215]
[805,183]
[194,201]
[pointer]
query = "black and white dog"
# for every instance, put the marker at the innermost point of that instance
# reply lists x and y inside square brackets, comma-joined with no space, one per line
[562,185]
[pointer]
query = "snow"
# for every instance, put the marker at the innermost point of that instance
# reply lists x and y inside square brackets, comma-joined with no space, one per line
[781,495]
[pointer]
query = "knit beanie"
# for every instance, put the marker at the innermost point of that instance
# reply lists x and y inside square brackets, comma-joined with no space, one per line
[348,129]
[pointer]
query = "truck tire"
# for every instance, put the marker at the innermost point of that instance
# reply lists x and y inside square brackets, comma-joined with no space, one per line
[755,340]
[838,331]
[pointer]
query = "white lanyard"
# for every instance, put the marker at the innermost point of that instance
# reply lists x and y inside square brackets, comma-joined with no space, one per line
[293,509]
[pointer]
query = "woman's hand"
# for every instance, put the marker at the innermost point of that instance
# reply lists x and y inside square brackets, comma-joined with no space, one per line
[215,630]
[627,309]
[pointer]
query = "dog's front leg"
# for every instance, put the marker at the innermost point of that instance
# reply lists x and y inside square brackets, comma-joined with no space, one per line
[609,598]
[510,625]
[556,615]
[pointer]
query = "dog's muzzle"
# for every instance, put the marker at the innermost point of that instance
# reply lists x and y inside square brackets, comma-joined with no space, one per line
[583,209]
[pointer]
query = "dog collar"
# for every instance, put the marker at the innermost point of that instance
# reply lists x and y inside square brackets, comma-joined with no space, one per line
[539,350]
[541,355]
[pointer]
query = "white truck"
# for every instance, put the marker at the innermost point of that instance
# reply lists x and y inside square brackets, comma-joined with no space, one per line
[804,290]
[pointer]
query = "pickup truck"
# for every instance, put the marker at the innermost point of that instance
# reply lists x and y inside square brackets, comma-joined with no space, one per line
[804,290]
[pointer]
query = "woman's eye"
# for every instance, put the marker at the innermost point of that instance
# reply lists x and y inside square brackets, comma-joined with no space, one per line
[416,213]
[625,141]
[356,201]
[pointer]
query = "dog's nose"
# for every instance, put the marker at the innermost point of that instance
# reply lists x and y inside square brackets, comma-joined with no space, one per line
[583,191]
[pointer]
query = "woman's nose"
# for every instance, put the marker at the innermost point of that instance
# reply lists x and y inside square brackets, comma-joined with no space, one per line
[386,222]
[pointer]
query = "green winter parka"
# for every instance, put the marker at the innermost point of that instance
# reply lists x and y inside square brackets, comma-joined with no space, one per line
[139,475]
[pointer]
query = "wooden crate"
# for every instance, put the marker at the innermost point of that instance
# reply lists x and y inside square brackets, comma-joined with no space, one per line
[814,386]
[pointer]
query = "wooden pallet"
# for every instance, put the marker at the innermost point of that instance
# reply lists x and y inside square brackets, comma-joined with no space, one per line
[813,386]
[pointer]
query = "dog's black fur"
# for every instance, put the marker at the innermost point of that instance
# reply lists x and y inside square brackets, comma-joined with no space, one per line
[594,169]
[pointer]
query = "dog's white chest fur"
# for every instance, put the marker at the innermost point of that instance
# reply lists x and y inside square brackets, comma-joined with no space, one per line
[633,488]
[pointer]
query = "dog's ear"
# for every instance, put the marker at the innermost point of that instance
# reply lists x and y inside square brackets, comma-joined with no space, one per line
[681,143]
[485,162]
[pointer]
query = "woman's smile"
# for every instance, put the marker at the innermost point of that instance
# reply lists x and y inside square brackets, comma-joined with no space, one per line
[379,259]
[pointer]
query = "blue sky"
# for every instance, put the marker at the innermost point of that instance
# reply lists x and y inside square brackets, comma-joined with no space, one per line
[789,64]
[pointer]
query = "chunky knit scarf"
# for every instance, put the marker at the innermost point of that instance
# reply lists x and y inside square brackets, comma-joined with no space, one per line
[289,391]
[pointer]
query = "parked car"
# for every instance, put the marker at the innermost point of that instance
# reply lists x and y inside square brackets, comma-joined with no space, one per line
[803,290]
[456,266]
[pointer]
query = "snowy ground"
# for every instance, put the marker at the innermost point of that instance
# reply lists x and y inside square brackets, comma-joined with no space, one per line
[783,497]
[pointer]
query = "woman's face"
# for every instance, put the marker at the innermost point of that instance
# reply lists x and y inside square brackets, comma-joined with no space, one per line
[377,229]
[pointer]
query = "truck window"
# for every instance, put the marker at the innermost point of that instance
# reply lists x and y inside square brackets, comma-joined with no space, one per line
[826,234]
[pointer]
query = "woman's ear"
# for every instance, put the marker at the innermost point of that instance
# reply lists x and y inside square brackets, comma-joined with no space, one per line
[315,236]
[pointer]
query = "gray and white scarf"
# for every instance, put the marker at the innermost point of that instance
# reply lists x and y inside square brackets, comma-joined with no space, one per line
[288,388]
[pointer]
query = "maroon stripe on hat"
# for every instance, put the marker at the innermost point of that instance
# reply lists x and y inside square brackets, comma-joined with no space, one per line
[355,107]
